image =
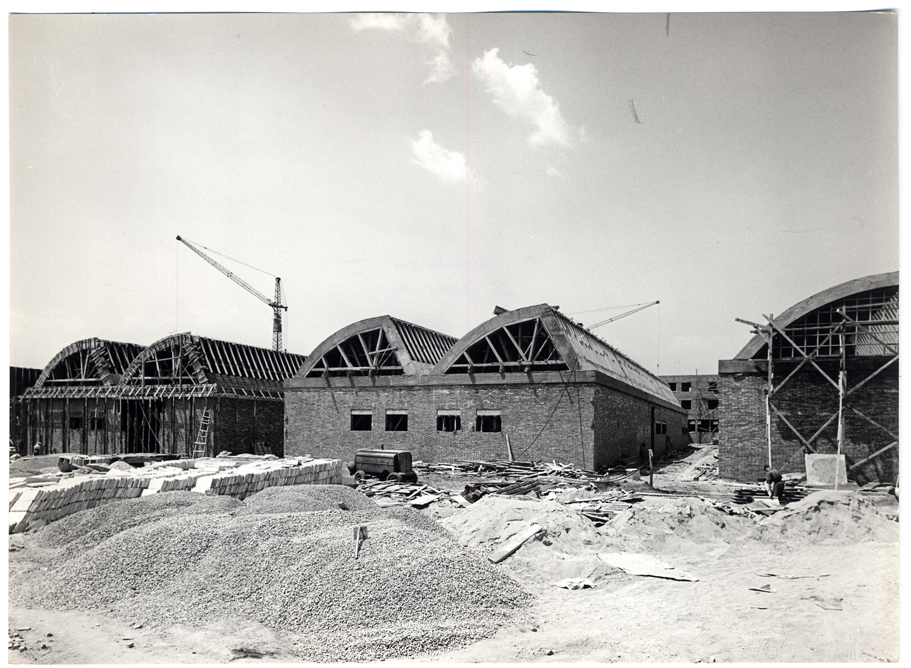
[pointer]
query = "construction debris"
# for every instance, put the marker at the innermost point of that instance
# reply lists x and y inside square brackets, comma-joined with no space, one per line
[508,471]
[514,543]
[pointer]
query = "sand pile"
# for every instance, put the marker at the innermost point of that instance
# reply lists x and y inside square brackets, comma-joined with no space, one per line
[681,525]
[830,516]
[567,549]
[412,591]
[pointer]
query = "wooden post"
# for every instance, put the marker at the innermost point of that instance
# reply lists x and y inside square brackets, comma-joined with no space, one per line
[840,438]
[509,449]
[651,481]
[771,376]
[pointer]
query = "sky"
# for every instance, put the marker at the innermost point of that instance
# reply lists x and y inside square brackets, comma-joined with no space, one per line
[433,166]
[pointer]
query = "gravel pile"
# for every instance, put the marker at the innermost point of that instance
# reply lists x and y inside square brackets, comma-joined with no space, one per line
[412,591]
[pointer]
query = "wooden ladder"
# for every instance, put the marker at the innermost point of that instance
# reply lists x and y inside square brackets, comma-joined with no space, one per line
[200,445]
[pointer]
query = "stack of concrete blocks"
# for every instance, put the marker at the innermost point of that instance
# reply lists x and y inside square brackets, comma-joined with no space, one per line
[213,476]
[248,479]
[70,496]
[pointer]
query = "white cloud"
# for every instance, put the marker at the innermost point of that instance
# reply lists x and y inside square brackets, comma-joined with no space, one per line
[517,92]
[448,165]
[427,29]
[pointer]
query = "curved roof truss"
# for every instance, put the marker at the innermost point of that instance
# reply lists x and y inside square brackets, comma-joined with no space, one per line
[872,300]
[93,362]
[185,359]
[540,338]
[380,346]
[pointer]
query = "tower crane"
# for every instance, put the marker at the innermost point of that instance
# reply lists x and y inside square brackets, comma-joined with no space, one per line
[276,304]
[623,315]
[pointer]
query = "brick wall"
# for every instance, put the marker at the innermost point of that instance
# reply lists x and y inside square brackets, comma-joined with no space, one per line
[248,426]
[583,423]
[807,400]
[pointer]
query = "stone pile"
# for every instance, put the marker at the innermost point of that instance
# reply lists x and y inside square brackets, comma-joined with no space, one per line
[285,559]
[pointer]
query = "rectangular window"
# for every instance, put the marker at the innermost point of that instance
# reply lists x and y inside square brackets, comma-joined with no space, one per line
[712,404]
[713,386]
[75,423]
[673,386]
[488,421]
[96,423]
[660,428]
[714,426]
[361,420]
[396,421]
[449,421]
[686,403]
[705,425]
[691,425]
[685,387]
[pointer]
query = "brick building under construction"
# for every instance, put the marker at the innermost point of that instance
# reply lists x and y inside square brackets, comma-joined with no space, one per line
[108,397]
[528,383]
[828,385]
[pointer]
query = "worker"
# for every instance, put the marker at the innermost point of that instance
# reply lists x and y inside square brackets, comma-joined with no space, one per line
[774,483]
[37,449]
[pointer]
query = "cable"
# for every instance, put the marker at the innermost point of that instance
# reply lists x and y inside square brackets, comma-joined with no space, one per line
[607,308]
[231,258]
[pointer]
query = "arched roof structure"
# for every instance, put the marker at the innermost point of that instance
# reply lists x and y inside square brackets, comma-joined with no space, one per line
[89,362]
[808,323]
[380,346]
[540,338]
[218,366]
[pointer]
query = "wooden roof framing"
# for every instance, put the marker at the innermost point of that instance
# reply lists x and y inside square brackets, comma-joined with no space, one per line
[88,362]
[540,338]
[377,346]
[871,300]
[176,366]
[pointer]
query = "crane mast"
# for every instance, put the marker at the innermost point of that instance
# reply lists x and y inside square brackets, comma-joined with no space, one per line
[276,304]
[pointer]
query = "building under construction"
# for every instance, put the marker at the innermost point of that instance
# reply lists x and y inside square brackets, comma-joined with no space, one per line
[527,384]
[698,394]
[183,395]
[821,378]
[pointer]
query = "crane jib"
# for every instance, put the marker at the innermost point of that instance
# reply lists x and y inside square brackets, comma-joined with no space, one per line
[276,305]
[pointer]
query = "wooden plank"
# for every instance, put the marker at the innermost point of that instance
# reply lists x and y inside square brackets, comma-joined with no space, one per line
[873,456]
[514,544]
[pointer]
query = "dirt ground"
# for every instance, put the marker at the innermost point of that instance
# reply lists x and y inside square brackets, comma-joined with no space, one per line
[825,599]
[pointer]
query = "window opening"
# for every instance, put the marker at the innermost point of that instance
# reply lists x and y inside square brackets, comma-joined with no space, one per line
[691,425]
[660,428]
[685,387]
[713,386]
[361,421]
[75,423]
[686,403]
[396,421]
[712,404]
[449,422]
[673,386]
[488,422]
